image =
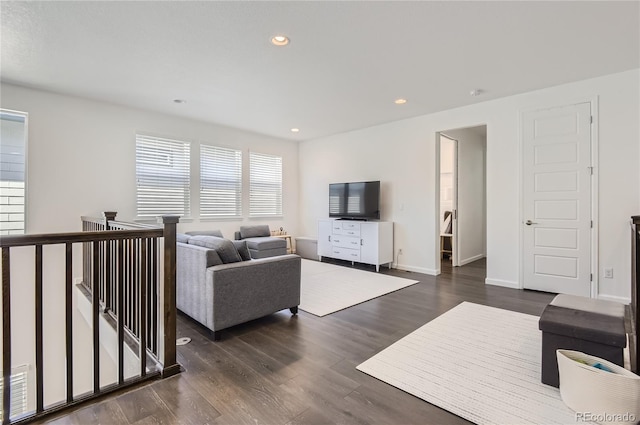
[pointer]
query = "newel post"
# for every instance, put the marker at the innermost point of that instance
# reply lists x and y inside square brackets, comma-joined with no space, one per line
[169,364]
[109,216]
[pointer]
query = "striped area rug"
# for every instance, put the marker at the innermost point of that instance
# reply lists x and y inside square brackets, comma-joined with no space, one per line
[479,363]
[327,288]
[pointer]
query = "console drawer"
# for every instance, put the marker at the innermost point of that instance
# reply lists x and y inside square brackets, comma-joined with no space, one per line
[345,228]
[345,253]
[345,242]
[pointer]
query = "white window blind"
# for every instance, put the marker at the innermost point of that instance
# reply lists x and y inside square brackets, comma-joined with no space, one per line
[163,177]
[265,185]
[12,171]
[220,182]
[18,391]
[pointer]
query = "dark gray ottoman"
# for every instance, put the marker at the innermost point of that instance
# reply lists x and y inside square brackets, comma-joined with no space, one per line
[594,327]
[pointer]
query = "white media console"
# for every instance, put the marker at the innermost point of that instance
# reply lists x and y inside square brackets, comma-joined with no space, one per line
[369,242]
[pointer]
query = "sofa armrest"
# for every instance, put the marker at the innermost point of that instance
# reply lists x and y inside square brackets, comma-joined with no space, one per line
[250,289]
[191,274]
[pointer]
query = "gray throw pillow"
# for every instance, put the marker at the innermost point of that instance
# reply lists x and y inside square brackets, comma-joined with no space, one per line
[182,238]
[243,249]
[224,247]
[254,231]
[213,259]
[216,233]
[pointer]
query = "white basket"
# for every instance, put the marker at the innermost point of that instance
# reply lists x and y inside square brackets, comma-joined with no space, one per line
[597,395]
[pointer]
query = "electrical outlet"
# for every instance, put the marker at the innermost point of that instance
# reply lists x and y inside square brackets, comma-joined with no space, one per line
[608,272]
[400,251]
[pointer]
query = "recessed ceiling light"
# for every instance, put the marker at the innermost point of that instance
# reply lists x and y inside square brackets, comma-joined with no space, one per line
[295,130]
[179,101]
[280,40]
[400,101]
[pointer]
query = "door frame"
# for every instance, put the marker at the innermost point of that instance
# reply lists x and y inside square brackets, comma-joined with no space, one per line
[594,255]
[454,242]
[455,259]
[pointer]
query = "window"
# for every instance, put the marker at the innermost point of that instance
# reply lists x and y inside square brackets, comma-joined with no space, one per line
[162,175]
[265,185]
[18,391]
[13,132]
[220,182]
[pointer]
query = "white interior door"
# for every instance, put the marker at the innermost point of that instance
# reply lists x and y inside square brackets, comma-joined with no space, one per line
[557,199]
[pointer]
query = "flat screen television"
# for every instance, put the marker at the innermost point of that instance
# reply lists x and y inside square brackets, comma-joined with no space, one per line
[356,201]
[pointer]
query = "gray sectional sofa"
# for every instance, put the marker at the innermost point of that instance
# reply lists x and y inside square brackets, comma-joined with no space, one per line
[260,242]
[219,286]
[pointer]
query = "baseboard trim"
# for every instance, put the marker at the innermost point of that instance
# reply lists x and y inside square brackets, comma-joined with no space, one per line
[407,268]
[504,283]
[472,259]
[615,298]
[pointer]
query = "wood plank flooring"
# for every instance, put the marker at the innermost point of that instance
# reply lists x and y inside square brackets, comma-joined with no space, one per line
[289,370]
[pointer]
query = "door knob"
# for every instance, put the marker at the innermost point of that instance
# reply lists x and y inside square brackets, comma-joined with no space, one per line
[529,222]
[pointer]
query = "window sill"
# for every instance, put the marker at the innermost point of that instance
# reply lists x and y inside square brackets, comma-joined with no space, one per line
[158,220]
[212,219]
[265,217]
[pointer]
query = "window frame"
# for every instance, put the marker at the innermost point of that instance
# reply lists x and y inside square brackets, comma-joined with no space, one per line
[239,183]
[279,193]
[25,117]
[172,146]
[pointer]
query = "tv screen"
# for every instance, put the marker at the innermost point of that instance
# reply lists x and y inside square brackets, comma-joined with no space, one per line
[360,200]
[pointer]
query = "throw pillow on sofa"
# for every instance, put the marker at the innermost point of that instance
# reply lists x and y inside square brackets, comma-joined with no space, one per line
[224,247]
[243,249]
[213,259]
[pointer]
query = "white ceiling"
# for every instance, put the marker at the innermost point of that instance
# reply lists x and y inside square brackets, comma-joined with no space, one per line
[346,63]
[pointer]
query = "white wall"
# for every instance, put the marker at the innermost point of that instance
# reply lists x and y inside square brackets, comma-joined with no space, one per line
[81,161]
[471,225]
[402,155]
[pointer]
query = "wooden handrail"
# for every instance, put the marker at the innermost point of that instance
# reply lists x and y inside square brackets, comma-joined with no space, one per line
[76,237]
[121,272]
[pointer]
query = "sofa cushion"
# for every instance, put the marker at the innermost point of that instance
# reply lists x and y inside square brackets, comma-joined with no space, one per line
[216,233]
[213,259]
[224,247]
[254,231]
[266,243]
[243,249]
[182,238]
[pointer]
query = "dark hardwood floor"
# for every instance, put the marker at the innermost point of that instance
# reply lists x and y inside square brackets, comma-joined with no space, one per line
[285,369]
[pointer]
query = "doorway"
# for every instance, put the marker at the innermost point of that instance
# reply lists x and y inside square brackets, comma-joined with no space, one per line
[461,197]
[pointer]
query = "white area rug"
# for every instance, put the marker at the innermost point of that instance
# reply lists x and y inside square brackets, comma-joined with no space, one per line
[327,288]
[479,363]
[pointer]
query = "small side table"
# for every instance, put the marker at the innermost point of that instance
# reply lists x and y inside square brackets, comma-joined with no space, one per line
[443,251]
[289,242]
